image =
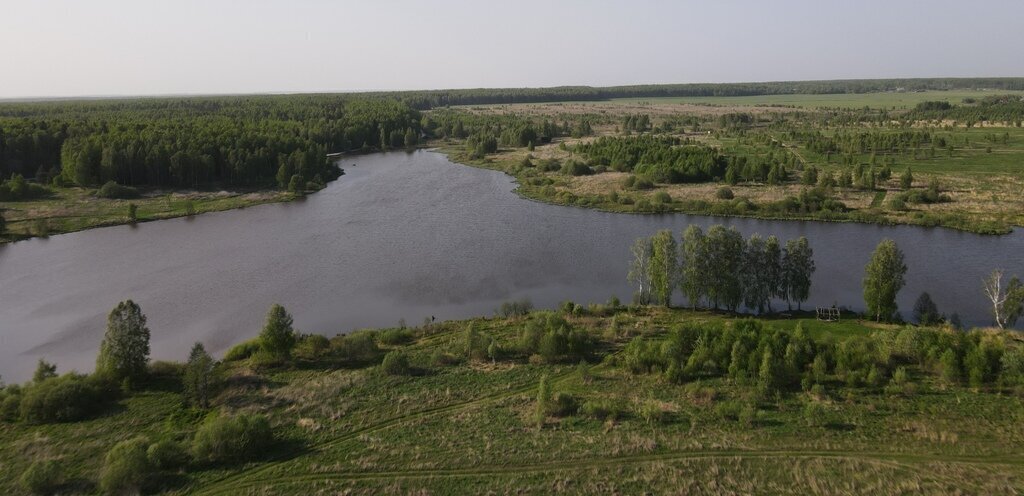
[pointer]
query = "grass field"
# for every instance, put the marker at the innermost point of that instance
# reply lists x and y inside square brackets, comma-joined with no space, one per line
[469,427]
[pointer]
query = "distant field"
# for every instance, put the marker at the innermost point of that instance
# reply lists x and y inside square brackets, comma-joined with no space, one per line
[875,100]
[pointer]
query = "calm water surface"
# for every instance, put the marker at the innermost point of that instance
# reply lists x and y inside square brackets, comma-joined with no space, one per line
[401,235]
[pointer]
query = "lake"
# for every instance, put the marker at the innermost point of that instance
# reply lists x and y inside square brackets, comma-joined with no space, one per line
[403,235]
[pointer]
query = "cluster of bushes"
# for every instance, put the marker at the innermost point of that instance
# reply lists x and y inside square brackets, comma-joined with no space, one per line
[550,337]
[66,398]
[135,465]
[518,308]
[17,188]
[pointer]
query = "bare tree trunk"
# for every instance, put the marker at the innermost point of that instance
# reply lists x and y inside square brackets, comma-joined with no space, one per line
[994,291]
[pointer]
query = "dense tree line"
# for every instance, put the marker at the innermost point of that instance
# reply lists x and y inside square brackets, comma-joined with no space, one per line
[718,268]
[193,142]
[749,352]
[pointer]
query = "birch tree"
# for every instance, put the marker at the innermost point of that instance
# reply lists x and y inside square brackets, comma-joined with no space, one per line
[640,270]
[1007,302]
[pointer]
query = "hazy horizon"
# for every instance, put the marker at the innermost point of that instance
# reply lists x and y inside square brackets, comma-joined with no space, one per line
[114,48]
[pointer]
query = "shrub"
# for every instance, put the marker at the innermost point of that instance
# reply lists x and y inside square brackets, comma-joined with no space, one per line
[113,190]
[167,455]
[603,409]
[394,337]
[396,363]
[562,405]
[242,350]
[576,168]
[42,477]
[311,346]
[662,197]
[64,399]
[10,407]
[358,347]
[224,439]
[654,412]
[724,194]
[126,468]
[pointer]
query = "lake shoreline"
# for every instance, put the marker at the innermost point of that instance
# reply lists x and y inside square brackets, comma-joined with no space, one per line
[455,156]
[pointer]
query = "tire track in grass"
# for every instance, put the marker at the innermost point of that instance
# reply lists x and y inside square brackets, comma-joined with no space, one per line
[231,480]
[902,460]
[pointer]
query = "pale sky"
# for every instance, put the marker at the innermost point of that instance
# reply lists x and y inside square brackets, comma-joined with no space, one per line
[148,47]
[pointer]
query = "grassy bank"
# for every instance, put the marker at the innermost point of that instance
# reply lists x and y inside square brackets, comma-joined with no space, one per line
[463,415]
[68,210]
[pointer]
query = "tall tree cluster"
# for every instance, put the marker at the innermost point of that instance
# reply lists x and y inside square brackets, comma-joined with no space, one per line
[720,269]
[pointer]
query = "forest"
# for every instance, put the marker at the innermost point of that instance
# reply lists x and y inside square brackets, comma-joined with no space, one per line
[252,141]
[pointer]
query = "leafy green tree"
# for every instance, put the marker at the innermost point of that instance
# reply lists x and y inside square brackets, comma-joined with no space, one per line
[640,269]
[284,174]
[198,377]
[277,337]
[44,371]
[797,271]
[725,261]
[1007,302]
[664,266]
[950,366]
[907,179]
[883,279]
[411,139]
[769,373]
[925,311]
[124,351]
[694,267]
[543,400]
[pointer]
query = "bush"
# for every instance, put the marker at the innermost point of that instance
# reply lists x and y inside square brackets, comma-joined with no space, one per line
[394,337]
[224,439]
[358,347]
[167,455]
[42,477]
[724,194]
[576,168]
[113,190]
[603,409]
[396,363]
[562,405]
[126,468]
[311,346]
[242,350]
[64,399]
[662,197]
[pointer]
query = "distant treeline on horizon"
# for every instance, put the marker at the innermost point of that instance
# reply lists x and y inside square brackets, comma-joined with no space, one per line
[438,98]
[427,99]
